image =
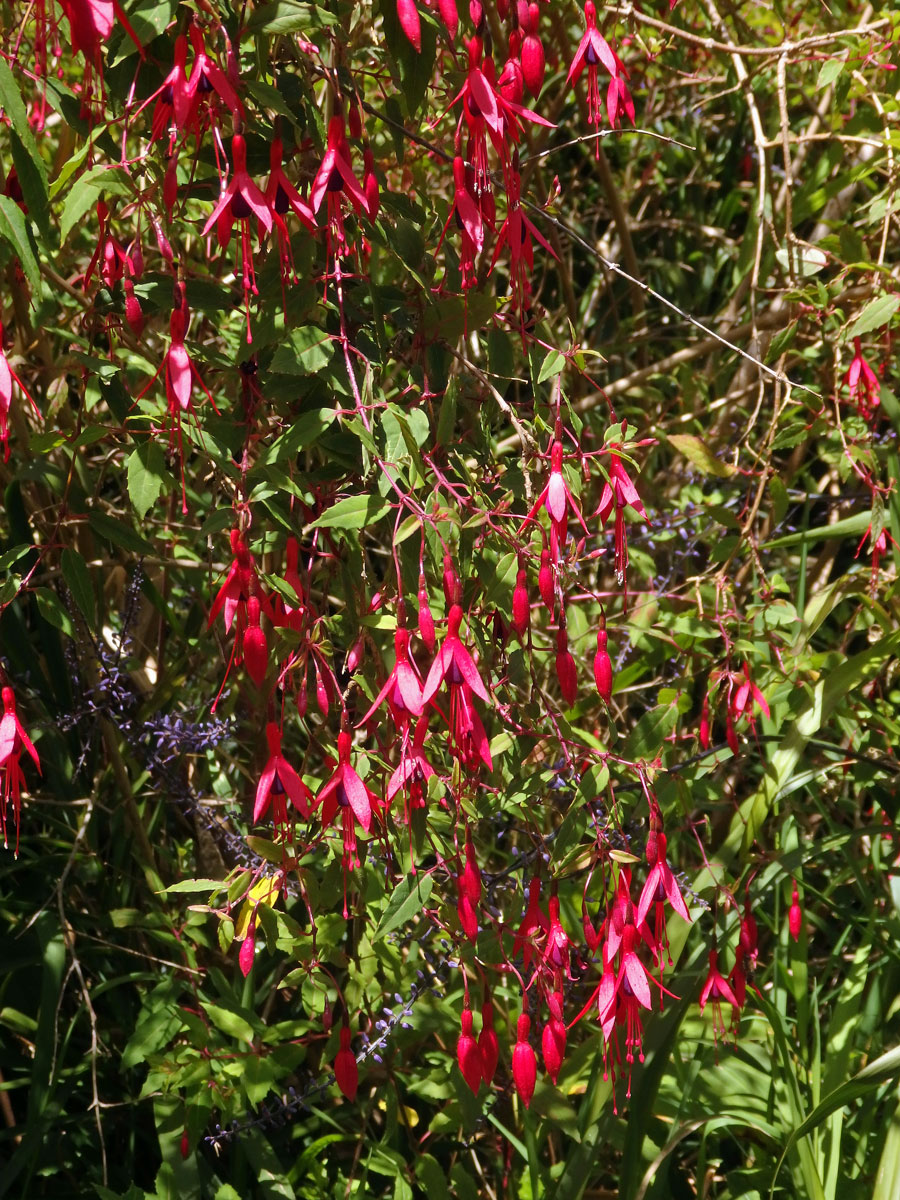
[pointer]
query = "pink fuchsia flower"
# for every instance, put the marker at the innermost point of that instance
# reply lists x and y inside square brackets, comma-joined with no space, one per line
[7,378]
[403,688]
[467,217]
[282,198]
[660,886]
[345,793]
[619,492]
[518,233]
[172,97]
[557,498]
[717,990]
[334,180]
[13,740]
[453,663]
[278,783]
[240,202]
[206,82]
[593,49]
[240,583]
[862,384]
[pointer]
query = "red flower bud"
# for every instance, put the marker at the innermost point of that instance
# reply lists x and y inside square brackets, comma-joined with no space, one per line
[468,1054]
[533,64]
[354,658]
[408,16]
[487,1042]
[468,917]
[795,915]
[603,668]
[545,582]
[521,610]
[704,725]
[256,648]
[133,313]
[185,1145]
[449,15]
[553,1038]
[452,584]
[524,1064]
[354,121]
[248,950]
[346,1071]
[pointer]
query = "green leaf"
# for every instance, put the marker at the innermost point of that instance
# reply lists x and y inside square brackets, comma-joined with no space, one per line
[29,165]
[407,900]
[286,16]
[54,611]
[553,364]
[304,431]
[17,232]
[78,578]
[306,351]
[354,512]
[876,313]
[229,1022]
[696,450]
[147,476]
[195,885]
[86,191]
[117,533]
[829,73]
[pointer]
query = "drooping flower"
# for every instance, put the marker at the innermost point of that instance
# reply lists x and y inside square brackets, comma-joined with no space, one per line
[619,492]
[282,198]
[241,201]
[334,180]
[345,793]
[7,378]
[533,920]
[593,49]
[717,990]
[278,783]
[553,1037]
[488,1045]
[603,664]
[402,689]
[660,886]
[795,914]
[453,663]
[464,212]
[13,740]
[862,384]
[557,498]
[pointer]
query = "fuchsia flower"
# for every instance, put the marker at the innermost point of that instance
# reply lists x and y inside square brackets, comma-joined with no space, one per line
[279,780]
[795,914]
[335,179]
[207,80]
[413,771]
[660,886]
[517,232]
[402,689]
[7,378]
[240,583]
[593,49]
[468,1055]
[13,740]
[172,98]
[467,217]
[180,377]
[558,499]
[240,201]
[862,384]
[488,1045]
[453,663]
[619,492]
[717,990]
[524,1063]
[346,793]
[282,198]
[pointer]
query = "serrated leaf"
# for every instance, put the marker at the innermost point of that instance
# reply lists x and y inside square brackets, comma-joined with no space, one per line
[408,898]
[15,230]
[876,313]
[78,580]
[147,476]
[355,512]
[696,451]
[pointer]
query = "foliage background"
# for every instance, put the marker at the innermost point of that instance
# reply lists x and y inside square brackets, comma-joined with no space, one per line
[712,268]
